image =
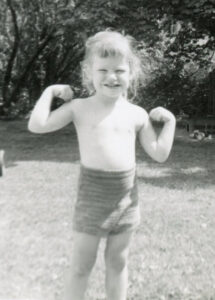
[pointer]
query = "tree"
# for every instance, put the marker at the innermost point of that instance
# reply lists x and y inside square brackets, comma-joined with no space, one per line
[42,43]
[179,45]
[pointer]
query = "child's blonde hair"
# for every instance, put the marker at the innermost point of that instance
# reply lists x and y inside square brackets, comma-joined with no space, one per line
[111,44]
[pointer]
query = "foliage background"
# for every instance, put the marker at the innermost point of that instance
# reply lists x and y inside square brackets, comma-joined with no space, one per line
[42,42]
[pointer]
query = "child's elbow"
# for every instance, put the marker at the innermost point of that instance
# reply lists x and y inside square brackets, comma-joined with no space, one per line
[161,157]
[32,127]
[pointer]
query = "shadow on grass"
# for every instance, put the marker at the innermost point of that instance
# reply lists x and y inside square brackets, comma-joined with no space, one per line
[190,163]
[180,181]
[21,145]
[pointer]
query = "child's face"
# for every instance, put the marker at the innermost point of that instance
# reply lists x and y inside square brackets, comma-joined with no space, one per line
[110,76]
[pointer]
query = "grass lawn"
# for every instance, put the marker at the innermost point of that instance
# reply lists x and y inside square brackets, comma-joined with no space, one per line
[173,252]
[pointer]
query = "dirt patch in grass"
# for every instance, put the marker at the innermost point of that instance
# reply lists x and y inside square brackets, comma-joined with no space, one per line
[172,256]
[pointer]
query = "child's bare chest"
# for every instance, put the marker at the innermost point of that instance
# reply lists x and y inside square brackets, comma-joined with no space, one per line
[110,123]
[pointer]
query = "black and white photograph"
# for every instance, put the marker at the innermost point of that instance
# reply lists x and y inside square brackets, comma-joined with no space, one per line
[107,150]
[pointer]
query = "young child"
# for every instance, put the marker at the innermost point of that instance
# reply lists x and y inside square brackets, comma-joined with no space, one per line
[107,125]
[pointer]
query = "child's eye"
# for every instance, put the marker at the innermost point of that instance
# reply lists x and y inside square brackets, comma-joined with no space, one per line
[102,70]
[119,71]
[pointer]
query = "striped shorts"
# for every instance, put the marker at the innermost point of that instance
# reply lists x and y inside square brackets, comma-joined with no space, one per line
[107,202]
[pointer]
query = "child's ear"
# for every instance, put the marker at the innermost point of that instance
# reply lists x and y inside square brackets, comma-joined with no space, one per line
[131,74]
[131,78]
[88,78]
[86,72]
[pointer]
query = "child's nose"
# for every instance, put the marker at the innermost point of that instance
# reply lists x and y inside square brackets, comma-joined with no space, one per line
[112,76]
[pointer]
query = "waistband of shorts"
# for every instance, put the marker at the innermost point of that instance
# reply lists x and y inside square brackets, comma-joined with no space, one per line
[108,173]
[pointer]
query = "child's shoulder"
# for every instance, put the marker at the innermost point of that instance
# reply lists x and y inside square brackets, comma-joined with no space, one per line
[138,110]
[139,115]
[78,103]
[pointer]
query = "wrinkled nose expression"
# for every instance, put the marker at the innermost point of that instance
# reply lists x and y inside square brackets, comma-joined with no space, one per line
[112,79]
[111,75]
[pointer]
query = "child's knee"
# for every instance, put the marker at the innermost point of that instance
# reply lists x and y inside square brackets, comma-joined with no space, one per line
[83,266]
[82,269]
[117,261]
[83,255]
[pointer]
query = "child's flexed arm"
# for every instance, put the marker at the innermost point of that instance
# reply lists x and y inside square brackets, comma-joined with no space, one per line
[42,119]
[158,146]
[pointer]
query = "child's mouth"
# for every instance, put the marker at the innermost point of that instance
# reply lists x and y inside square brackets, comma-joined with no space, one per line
[112,85]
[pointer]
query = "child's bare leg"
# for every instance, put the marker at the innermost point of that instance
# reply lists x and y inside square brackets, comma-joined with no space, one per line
[83,258]
[116,257]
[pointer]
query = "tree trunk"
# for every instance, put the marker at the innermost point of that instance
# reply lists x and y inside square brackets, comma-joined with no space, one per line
[7,76]
[13,97]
